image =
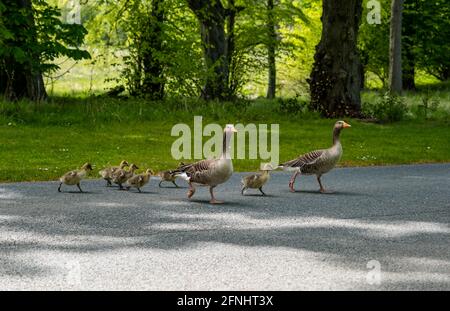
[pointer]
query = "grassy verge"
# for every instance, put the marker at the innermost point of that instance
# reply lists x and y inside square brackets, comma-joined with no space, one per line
[42,142]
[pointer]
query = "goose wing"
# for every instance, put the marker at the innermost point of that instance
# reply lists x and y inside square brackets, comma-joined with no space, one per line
[305,159]
[199,172]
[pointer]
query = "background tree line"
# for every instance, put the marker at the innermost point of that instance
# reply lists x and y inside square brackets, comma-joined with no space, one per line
[213,48]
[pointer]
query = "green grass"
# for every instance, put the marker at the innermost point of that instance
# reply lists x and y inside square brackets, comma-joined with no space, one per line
[40,142]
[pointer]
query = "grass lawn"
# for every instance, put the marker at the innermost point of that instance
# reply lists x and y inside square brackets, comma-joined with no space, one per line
[42,145]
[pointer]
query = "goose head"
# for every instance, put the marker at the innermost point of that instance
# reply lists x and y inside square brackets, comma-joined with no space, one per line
[341,125]
[229,128]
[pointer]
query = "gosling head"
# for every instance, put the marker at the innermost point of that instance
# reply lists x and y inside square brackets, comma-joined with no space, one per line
[87,167]
[341,125]
[133,167]
[149,172]
[124,163]
[266,167]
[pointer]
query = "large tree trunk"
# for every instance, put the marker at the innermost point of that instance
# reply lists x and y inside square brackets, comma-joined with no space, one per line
[395,47]
[211,15]
[271,46]
[229,48]
[19,80]
[335,78]
[409,38]
[153,84]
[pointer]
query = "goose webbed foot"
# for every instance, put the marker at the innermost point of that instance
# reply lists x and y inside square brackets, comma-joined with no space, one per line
[322,189]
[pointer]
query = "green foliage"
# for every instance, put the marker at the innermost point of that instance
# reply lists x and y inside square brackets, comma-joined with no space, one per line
[37,47]
[425,39]
[389,108]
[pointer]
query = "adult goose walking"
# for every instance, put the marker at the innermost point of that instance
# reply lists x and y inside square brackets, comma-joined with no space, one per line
[210,172]
[317,162]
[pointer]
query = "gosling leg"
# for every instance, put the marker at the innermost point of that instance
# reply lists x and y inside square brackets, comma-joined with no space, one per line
[159,185]
[292,181]
[78,185]
[173,182]
[139,190]
[243,189]
[213,199]
[59,188]
[260,189]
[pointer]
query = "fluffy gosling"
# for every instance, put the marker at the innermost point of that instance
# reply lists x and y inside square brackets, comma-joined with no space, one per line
[168,176]
[120,176]
[140,180]
[258,180]
[107,172]
[74,177]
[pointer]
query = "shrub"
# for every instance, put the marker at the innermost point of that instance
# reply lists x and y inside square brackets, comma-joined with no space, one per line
[389,108]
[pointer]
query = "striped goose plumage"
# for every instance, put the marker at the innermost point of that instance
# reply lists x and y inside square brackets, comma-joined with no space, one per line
[211,172]
[317,162]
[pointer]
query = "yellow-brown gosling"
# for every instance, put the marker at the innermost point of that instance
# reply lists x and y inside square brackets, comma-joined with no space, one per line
[120,176]
[168,176]
[107,172]
[317,162]
[258,180]
[74,177]
[140,180]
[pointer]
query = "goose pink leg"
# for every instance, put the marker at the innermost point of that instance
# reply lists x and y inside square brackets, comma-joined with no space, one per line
[292,181]
[191,191]
[213,199]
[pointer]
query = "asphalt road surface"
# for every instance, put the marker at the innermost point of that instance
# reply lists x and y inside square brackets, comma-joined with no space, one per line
[382,228]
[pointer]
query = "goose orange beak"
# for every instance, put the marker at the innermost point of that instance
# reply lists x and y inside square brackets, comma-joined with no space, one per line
[346,125]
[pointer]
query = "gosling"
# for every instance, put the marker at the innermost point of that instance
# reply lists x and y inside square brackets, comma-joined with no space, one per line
[258,180]
[168,176]
[74,177]
[107,172]
[139,181]
[120,176]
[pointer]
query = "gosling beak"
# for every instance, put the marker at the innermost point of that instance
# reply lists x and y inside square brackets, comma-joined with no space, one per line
[346,125]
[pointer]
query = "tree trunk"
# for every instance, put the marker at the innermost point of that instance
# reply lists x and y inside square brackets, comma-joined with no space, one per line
[395,47]
[335,78]
[211,15]
[19,80]
[229,48]
[409,38]
[271,46]
[153,84]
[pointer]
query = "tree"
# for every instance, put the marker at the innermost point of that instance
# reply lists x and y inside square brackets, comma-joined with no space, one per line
[335,78]
[271,46]
[20,75]
[395,47]
[211,15]
[153,82]
[32,37]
